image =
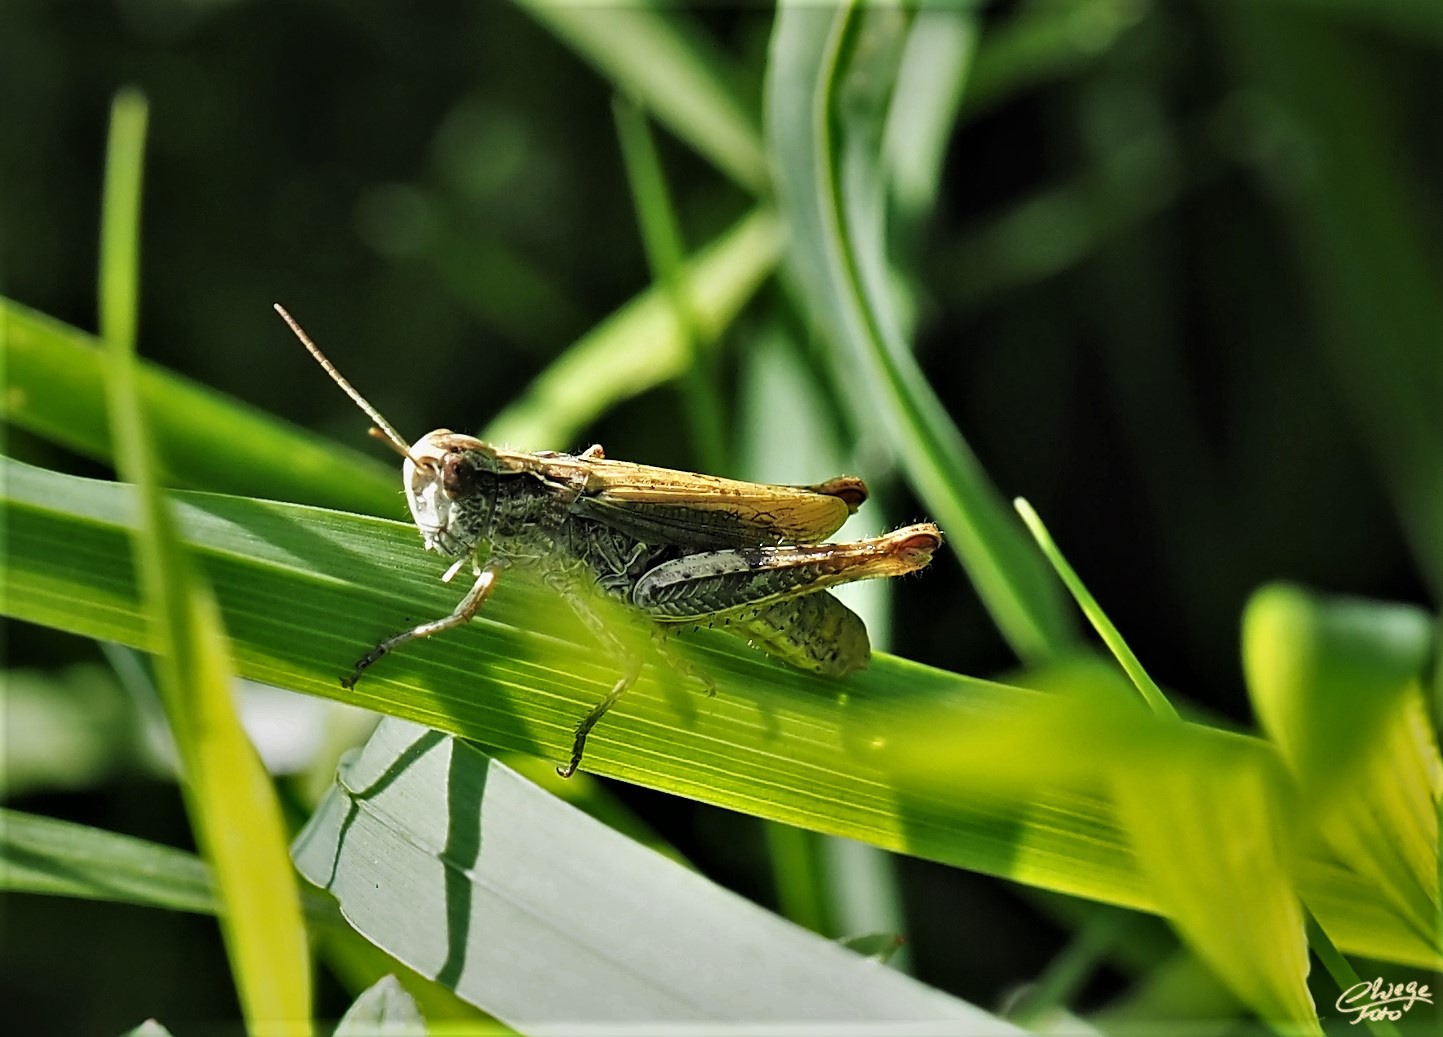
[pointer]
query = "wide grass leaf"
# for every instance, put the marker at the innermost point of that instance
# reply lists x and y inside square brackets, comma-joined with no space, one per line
[55,388]
[304,591]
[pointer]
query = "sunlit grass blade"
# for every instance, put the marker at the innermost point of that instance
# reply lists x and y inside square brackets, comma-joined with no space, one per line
[1110,635]
[830,74]
[1337,686]
[537,914]
[228,794]
[1205,817]
[660,58]
[62,858]
[642,345]
[42,855]
[305,590]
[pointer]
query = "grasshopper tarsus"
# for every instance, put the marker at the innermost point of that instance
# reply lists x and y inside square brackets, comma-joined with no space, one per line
[578,745]
[365,663]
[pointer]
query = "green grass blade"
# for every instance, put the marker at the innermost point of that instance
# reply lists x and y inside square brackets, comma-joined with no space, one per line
[42,855]
[55,388]
[642,345]
[665,251]
[1043,43]
[537,914]
[829,80]
[229,797]
[835,887]
[1109,633]
[661,59]
[304,591]
[62,858]
[930,81]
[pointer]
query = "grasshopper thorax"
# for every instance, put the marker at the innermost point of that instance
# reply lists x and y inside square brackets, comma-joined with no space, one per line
[451,497]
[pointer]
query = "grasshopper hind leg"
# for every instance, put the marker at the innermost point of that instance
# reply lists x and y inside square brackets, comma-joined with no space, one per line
[579,600]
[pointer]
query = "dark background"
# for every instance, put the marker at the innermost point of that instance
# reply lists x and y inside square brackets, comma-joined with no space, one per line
[1169,292]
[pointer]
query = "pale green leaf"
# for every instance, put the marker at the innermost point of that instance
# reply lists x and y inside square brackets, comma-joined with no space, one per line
[542,916]
[383,1009]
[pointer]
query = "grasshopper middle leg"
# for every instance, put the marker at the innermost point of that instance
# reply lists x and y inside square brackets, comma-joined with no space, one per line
[577,598]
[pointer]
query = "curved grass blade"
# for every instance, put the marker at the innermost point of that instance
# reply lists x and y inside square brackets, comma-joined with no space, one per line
[830,75]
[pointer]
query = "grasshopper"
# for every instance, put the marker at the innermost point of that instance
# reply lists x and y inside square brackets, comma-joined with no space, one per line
[685,550]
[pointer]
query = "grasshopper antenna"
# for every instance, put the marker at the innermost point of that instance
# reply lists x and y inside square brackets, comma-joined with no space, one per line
[383,429]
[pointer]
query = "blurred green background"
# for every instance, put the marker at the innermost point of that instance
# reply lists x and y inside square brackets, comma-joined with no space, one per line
[1179,287]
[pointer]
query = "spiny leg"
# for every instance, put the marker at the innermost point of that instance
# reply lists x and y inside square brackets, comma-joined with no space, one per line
[578,746]
[463,613]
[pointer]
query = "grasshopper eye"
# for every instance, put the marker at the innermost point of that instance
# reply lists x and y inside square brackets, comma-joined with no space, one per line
[459,476]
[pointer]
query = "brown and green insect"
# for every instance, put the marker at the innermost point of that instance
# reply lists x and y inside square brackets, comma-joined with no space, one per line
[685,550]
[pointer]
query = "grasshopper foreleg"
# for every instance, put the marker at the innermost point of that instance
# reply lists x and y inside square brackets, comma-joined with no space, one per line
[463,613]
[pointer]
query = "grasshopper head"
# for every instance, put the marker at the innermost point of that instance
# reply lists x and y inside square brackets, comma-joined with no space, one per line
[450,495]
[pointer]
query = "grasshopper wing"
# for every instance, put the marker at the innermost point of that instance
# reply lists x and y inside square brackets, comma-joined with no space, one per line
[662,505]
